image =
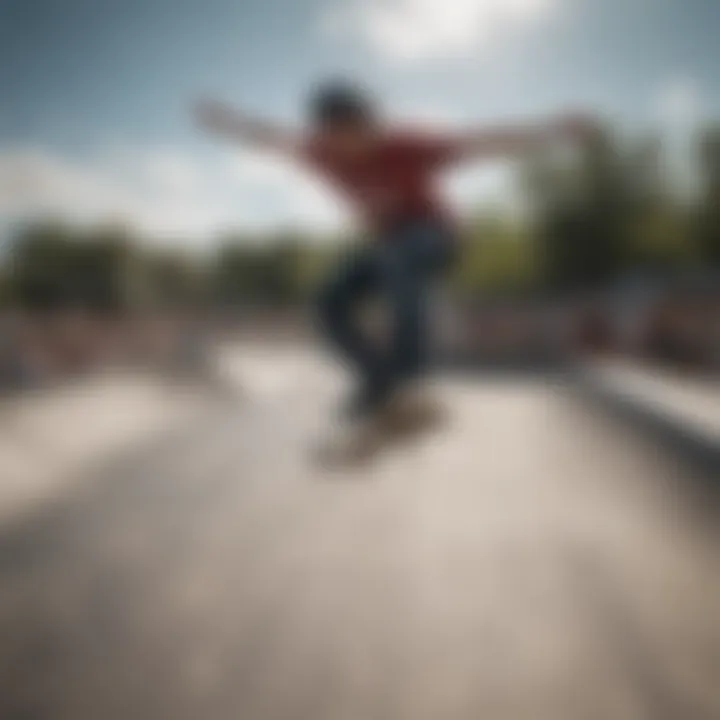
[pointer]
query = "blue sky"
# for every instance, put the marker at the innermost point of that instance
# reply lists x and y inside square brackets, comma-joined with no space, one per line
[94,92]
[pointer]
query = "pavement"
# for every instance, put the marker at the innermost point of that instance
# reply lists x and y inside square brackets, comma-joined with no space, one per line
[52,439]
[535,559]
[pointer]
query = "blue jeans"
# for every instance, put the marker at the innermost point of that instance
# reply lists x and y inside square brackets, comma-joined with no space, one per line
[401,270]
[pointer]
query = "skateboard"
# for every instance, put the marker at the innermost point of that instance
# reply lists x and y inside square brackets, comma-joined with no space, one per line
[406,416]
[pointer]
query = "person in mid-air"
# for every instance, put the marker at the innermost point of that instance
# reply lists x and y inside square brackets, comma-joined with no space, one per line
[390,176]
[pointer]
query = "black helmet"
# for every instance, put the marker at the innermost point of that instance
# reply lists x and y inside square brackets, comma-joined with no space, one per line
[340,101]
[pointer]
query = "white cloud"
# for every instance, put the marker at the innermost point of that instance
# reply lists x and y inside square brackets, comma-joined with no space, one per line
[680,109]
[163,192]
[415,29]
[679,103]
[171,195]
[475,188]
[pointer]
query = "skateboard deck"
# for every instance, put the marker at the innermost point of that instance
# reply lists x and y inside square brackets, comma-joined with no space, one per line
[405,417]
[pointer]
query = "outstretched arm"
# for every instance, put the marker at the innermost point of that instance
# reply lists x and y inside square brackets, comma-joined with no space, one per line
[221,120]
[516,140]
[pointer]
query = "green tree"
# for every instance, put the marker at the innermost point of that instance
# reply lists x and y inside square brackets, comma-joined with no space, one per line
[607,211]
[282,270]
[708,215]
[53,265]
[169,279]
[497,256]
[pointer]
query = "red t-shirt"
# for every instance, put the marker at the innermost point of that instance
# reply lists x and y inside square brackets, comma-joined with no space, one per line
[393,183]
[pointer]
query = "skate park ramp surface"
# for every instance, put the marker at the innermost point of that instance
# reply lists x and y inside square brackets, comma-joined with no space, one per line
[534,559]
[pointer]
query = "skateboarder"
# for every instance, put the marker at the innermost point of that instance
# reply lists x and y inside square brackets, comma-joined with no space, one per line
[389,175]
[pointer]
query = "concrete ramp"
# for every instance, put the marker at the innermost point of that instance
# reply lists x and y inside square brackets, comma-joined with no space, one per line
[532,561]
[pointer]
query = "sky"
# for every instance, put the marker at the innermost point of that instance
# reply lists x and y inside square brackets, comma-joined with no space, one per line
[94,94]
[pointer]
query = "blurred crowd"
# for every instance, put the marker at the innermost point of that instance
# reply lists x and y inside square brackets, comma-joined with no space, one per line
[671,325]
[680,328]
[40,349]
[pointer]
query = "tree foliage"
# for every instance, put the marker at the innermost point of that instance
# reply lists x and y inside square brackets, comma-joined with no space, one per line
[708,212]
